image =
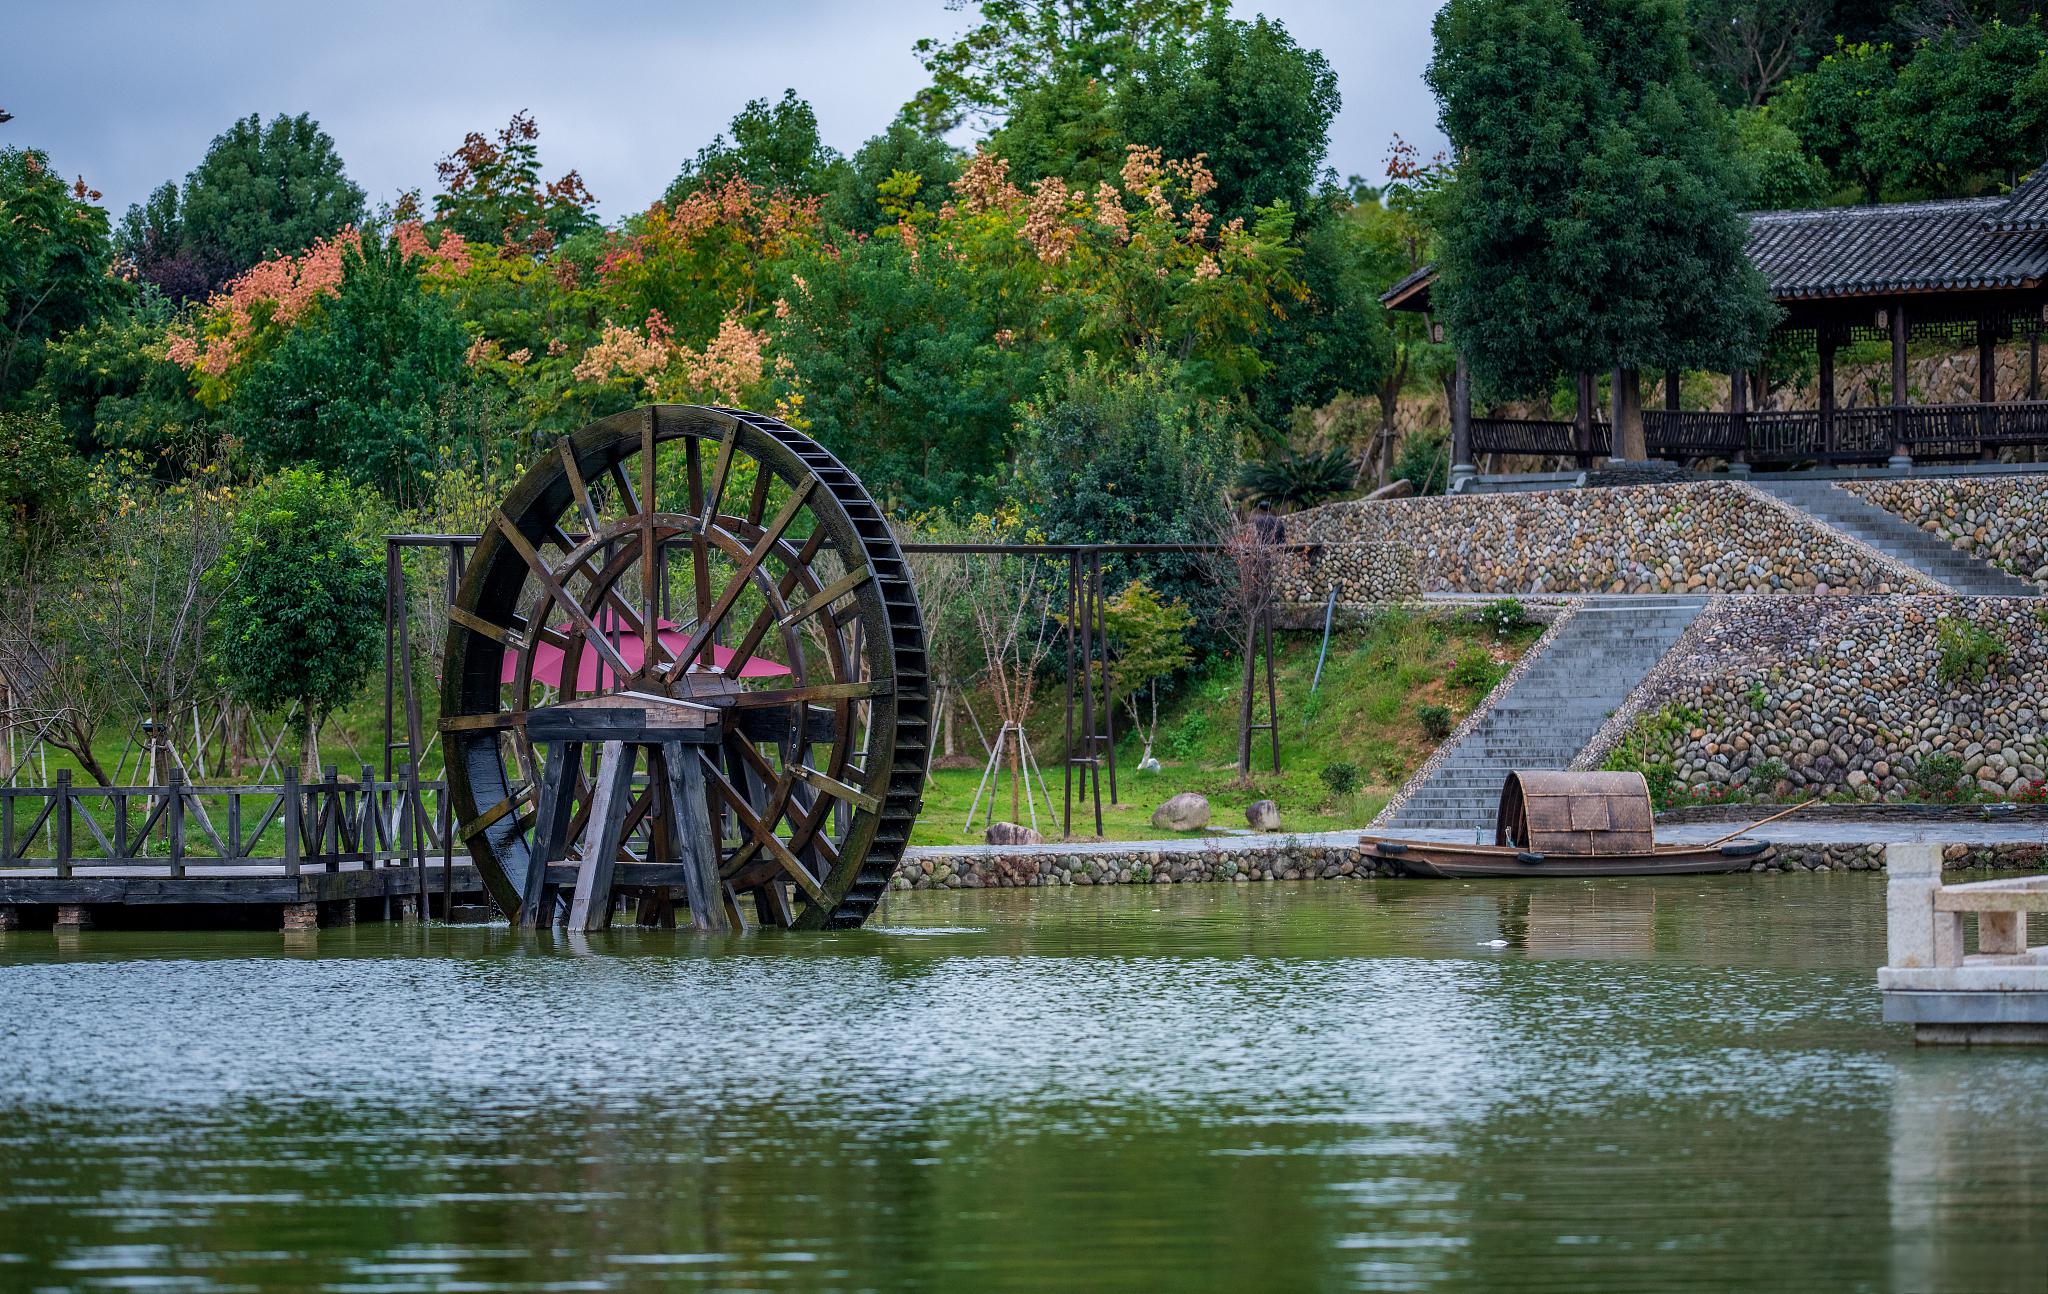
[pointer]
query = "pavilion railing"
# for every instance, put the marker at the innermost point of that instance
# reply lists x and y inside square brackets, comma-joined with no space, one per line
[1863,434]
[329,825]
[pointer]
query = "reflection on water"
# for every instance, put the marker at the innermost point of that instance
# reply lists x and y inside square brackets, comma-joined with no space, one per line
[1679,1082]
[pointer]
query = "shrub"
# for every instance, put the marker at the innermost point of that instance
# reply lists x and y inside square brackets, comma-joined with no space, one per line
[1341,777]
[1759,697]
[1292,480]
[1769,772]
[1435,721]
[1938,779]
[2034,792]
[1504,616]
[1647,750]
[1476,670]
[1424,460]
[1968,650]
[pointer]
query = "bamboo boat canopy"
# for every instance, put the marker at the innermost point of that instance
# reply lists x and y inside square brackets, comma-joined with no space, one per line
[1576,813]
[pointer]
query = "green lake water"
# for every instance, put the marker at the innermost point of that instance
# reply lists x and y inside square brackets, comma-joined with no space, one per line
[1680,1083]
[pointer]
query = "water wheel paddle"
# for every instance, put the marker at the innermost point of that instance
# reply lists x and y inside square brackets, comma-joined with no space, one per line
[713,589]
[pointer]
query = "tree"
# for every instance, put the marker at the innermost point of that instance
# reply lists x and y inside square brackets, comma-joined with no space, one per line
[1748,48]
[1336,338]
[260,191]
[1109,456]
[54,260]
[110,382]
[1775,171]
[353,386]
[773,146]
[1244,97]
[1591,221]
[1018,44]
[1964,111]
[1399,226]
[901,172]
[1841,111]
[491,192]
[1149,637]
[301,596]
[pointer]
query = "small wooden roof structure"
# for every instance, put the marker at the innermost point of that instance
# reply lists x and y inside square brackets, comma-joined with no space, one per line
[1576,813]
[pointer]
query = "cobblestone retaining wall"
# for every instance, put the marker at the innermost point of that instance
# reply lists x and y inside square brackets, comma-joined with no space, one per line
[1696,537]
[1834,695]
[1282,859]
[1999,519]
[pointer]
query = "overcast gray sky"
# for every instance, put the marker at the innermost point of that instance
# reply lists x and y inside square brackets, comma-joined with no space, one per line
[129,92]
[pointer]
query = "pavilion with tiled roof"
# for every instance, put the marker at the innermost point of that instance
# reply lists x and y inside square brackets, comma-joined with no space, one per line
[1967,271]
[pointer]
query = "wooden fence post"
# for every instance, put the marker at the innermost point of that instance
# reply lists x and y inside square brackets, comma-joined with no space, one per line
[174,818]
[368,824]
[63,829]
[292,827]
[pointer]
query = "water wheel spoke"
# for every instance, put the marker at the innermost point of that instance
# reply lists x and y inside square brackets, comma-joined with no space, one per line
[762,834]
[578,487]
[650,552]
[832,786]
[824,597]
[707,512]
[741,577]
[553,588]
[774,696]
[769,615]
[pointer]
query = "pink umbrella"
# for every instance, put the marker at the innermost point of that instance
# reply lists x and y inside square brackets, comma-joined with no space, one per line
[547,658]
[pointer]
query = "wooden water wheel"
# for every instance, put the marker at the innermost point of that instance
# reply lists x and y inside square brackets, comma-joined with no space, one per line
[708,596]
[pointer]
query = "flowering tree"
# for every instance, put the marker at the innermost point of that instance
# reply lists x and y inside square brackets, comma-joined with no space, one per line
[491,192]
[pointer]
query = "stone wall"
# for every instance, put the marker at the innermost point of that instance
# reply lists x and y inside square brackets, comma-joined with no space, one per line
[1841,695]
[1999,519]
[1697,537]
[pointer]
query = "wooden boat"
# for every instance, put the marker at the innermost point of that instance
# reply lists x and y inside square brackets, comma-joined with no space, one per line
[1571,824]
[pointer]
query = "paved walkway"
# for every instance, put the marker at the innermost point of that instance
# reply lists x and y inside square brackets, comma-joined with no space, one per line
[1791,831]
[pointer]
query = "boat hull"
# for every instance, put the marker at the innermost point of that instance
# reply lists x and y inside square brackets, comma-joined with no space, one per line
[1444,862]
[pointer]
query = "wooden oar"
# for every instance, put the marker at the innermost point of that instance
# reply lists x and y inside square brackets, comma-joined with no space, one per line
[1782,813]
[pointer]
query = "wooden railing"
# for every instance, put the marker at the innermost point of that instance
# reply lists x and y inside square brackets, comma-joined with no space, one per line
[321,826]
[1866,434]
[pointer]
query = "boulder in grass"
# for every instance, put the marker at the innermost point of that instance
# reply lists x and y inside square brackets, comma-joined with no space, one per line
[1187,811]
[1009,833]
[1264,815]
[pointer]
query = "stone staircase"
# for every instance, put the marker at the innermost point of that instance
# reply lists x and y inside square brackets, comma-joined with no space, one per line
[1896,537]
[1581,676]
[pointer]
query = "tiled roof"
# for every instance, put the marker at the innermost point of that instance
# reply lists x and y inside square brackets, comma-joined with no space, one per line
[2026,211]
[1900,247]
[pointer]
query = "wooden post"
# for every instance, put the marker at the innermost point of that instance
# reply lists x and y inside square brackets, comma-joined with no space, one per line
[1671,392]
[290,816]
[1987,389]
[174,818]
[1738,414]
[609,799]
[63,822]
[1272,695]
[1108,697]
[1826,346]
[1073,604]
[1462,469]
[1582,418]
[689,833]
[1902,448]
[369,822]
[550,829]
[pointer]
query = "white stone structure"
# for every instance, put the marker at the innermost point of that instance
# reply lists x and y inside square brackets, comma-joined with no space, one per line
[1999,994]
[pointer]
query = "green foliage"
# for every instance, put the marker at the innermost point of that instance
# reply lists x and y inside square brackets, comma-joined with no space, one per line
[1767,773]
[260,191]
[1296,480]
[1435,720]
[1018,44]
[1648,747]
[112,385]
[1149,636]
[41,478]
[1759,697]
[302,594]
[354,386]
[1243,94]
[1341,776]
[1939,779]
[1591,222]
[1774,169]
[1476,671]
[492,193]
[901,172]
[1841,110]
[1337,338]
[1966,109]
[773,146]
[1424,460]
[54,256]
[1968,650]
[1504,616]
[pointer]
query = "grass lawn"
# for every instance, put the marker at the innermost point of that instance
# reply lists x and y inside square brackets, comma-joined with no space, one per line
[1364,712]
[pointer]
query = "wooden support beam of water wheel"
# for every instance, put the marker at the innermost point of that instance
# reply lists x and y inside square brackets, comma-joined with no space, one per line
[719,558]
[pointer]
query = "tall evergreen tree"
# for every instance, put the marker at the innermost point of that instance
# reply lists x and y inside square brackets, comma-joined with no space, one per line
[1591,222]
[260,191]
